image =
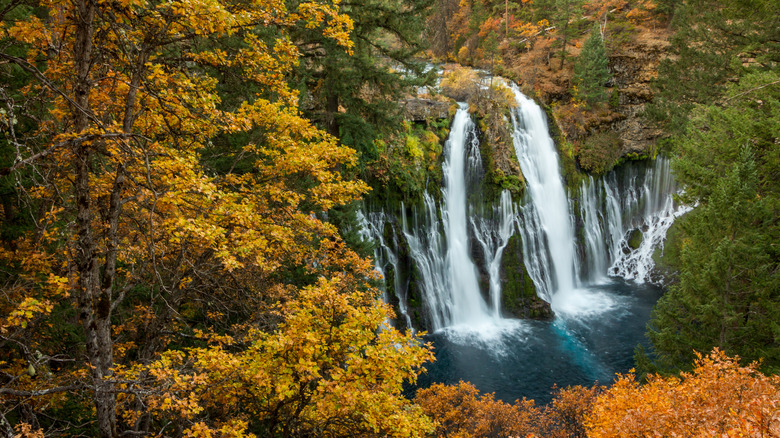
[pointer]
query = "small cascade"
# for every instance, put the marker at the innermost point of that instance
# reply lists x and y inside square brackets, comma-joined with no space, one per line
[427,250]
[657,212]
[637,205]
[548,233]
[372,230]
[493,235]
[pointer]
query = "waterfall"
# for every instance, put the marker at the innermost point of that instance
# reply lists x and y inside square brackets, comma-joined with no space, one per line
[548,233]
[467,303]
[639,204]
[566,271]
[493,236]
[371,229]
[447,276]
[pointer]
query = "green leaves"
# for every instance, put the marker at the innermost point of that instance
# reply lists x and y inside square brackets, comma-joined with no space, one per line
[728,290]
[590,71]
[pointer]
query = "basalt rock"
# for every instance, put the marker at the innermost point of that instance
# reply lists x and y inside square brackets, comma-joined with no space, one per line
[420,110]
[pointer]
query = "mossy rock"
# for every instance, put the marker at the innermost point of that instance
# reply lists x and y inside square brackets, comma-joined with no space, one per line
[519,298]
[635,239]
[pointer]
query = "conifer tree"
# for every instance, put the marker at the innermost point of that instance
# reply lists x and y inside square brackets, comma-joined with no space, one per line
[727,295]
[591,70]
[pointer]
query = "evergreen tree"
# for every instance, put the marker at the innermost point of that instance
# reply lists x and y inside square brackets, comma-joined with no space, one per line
[728,295]
[591,70]
[354,94]
[715,42]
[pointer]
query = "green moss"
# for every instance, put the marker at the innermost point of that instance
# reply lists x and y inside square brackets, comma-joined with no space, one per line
[519,297]
[572,175]
[635,239]
[600,152]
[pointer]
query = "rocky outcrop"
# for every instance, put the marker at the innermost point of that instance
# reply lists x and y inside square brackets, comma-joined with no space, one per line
[420,110]
[634,66]
[519,298]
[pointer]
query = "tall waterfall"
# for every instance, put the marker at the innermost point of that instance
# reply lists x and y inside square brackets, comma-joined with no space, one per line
[548,233]
[447,275]
[610,212]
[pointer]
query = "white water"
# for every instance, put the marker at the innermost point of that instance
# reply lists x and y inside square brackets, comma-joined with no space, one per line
[468,307]
[372,229]
[493,235]
[608,214]
[548,233]
[646,205]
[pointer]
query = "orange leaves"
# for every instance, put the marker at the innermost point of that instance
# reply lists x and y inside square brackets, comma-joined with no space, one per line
[460,412]
[719,398]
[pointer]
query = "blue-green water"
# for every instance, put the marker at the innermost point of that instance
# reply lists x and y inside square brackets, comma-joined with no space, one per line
[589,341]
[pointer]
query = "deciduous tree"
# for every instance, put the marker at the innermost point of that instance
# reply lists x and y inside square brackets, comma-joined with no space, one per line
[719,398]
[140,250]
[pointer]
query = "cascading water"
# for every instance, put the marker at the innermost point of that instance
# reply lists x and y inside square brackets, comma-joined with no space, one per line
[641,205]
[493,235]
[548,234]
[447,275]
[371,228]
[468,307]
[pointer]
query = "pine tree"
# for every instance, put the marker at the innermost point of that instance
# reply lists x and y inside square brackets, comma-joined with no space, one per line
[591,71]
[727,296]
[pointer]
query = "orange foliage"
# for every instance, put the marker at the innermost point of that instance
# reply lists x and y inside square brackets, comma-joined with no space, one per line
[460,412]
[719,398]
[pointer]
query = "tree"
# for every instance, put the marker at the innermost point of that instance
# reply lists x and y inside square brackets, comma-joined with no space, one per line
[591,72]
[719,398]
[727,296]
[714,44]
[460,411]
[324,372]
[143,251]
[563,15]
[354,94]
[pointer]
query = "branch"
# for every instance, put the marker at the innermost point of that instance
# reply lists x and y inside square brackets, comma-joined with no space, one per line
[41,392]
[54,147]
[750,90]
[25,65]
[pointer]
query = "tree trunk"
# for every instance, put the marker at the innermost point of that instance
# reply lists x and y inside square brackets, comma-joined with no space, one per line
[94,298]
[331,112]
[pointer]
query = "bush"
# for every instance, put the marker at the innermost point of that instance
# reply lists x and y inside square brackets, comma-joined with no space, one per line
[460,83]
[600,152]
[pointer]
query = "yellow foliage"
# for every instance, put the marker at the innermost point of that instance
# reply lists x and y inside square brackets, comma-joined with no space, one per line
[155,249]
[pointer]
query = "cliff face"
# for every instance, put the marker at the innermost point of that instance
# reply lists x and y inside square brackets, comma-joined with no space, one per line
[634,66]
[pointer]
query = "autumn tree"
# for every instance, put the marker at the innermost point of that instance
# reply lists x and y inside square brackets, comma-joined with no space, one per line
[460,411]
[144,259]
[718,398]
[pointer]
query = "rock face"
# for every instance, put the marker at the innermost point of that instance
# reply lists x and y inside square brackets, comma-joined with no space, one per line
[420,110]
[519,298]
[633,67]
